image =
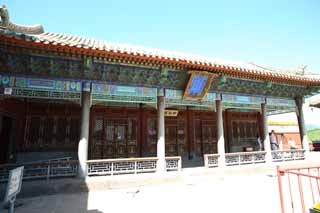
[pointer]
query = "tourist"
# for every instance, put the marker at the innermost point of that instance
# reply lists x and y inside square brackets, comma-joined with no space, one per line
[273,143]
[259,143]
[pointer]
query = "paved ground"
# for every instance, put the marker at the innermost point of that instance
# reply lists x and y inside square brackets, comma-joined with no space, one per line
[199,193]
[237,190]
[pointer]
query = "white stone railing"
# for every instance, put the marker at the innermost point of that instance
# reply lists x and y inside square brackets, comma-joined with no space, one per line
[237,158]
[211,160]
[130,165]
[40,170]
[240,158]
[294,154]
[173,163]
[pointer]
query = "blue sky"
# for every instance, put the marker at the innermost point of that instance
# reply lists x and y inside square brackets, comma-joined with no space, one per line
[281,33]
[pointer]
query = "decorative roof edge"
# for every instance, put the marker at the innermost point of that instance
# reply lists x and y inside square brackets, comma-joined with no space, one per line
[7,24]
[36,36]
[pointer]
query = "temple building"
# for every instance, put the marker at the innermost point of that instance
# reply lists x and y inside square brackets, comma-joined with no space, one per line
[64,95]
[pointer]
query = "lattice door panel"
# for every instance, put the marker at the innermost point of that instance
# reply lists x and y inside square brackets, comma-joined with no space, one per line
[244,131]
[208,138]
[132,150]
[197,137]
[181,138]
[152,136]
[48,134]
[108,151]
[118,137]
[61,133]
[96,151]
[171,140]
[33,132]
[74,132]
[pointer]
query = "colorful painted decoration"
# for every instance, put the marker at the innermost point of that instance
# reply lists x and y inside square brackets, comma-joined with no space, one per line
[173,94]
[243,99]
[40,84]
[281,102]
[123,90]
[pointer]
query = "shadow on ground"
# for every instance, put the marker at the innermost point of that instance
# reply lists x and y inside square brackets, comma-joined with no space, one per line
[36,195]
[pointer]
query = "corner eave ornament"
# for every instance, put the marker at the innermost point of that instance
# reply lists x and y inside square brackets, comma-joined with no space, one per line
[6,24]
[198,85]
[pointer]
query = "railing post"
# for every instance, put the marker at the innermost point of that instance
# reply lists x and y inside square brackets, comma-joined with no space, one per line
[48,171]
[301,194]
[279,173]
[88,168]
[179,164]
[206,163]
[111,168]
[252,159]
[135,167]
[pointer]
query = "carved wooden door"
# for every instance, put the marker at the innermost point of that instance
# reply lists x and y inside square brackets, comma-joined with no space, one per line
[209,142]
[181,137]
[197,138]
[205,137]
[152,136]
[120,143]
[171,141]
[132,135]
[114,138]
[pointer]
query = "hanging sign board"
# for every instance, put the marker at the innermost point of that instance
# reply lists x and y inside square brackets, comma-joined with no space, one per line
[198,85]
[171,113]
[7,91]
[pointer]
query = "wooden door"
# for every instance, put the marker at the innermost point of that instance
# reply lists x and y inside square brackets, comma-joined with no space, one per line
[114,138]
[152,137]
[205,141]
[198,138]
[171,138]
[209,142]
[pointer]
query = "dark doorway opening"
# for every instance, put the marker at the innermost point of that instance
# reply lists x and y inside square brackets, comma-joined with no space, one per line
[6,125]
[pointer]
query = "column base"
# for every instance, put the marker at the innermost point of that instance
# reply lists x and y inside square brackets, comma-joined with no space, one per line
[161,166]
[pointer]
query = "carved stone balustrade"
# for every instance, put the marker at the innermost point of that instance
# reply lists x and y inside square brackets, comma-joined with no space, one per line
[40,170]
[287,155]
[130,165]
[211,160]
[240,158]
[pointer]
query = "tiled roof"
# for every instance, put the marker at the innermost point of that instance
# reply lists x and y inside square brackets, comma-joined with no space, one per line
[36,35]
[88,43]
